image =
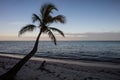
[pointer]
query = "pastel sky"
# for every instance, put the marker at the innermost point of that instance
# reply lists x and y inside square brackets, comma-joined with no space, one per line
[86,19]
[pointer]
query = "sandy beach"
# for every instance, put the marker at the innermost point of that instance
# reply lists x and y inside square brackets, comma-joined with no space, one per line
[60,69]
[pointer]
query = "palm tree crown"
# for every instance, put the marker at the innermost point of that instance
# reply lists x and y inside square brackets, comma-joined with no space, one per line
[45,19]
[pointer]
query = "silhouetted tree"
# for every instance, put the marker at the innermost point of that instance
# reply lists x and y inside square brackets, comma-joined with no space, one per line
[44,19]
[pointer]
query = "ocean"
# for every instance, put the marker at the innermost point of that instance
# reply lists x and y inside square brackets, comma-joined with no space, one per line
[78,50]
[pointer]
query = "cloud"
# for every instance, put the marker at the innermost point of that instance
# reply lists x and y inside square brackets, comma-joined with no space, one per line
[74,35]
[95,36]
[115,36]
[12,24]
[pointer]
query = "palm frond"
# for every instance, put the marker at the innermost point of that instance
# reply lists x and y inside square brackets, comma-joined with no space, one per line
[36,18]
[46,9]
[57,30]
[59,18]
[48,19]
[26,28]
[51,35]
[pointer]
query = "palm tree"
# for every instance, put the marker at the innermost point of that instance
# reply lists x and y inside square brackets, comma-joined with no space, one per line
[44,19]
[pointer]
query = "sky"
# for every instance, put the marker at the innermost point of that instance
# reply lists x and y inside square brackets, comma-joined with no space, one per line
[85,19]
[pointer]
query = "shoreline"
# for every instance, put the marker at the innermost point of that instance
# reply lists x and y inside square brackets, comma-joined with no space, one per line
[70,61]
[114,60]
[60,69]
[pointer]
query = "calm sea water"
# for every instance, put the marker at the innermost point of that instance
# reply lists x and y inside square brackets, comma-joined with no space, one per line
[94,50]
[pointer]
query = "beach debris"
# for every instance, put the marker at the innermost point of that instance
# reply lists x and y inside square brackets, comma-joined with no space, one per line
[42,67]
[91,78]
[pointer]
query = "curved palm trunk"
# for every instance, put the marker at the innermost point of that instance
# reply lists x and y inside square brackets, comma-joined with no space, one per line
[12,72]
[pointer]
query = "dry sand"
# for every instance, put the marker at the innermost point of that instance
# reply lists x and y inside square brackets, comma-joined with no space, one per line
[61,69]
